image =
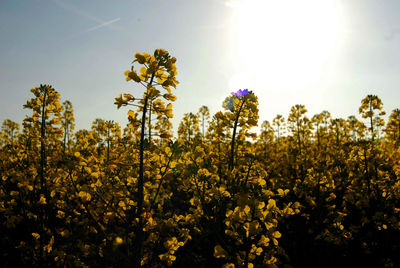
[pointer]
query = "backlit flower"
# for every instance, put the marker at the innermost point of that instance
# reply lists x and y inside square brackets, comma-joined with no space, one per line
[240,93]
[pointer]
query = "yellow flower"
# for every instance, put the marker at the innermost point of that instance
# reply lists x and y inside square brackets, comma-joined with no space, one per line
[133,75]
[36,235]
[219,252]
[140,58]
[42,200]
[85,196]
[119,240]
[60,214]
[271,204]
[277,234]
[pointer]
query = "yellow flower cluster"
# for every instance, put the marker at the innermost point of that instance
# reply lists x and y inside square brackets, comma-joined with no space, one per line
[131,196]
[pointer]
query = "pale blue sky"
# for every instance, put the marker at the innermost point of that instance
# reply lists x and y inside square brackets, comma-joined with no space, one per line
[83,47]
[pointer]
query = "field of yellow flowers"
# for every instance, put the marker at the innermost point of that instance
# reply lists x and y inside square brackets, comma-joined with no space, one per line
[305,192]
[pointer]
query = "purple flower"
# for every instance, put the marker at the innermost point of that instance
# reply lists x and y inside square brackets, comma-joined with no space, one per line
[240,93]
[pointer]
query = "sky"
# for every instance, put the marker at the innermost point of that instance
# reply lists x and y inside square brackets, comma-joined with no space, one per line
[325,54]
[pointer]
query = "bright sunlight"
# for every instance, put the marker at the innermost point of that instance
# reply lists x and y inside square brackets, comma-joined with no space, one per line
[286,38]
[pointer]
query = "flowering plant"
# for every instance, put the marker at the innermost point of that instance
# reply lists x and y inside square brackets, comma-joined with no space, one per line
[240,93]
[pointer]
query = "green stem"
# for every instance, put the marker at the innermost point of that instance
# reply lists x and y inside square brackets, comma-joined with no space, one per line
[42,167]
[233,136]
[138,245]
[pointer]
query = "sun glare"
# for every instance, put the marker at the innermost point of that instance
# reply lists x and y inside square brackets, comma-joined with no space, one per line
[285,42]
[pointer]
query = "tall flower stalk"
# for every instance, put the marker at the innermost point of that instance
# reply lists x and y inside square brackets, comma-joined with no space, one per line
[241,95]
[159,70]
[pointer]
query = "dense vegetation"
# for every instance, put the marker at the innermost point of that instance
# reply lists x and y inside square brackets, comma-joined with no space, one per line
[305,192]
